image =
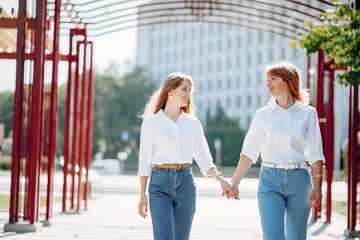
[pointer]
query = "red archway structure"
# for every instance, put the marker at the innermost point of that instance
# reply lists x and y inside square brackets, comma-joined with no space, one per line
[81,20]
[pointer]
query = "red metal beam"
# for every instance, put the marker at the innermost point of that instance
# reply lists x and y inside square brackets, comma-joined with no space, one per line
[53,112]
[37,115]
[352,158]
[89,126]
[18,120]
[329,151]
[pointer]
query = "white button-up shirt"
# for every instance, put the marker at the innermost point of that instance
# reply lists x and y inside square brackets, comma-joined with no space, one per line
[164,141]
[284,135]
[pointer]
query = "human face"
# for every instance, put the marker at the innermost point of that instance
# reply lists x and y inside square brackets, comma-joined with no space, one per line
[182,94]
[277,86]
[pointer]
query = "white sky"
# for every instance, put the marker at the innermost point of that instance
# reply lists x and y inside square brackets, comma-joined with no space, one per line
[117,47]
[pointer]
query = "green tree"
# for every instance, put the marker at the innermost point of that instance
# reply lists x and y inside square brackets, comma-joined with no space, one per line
[118,102]
[337,33]
[228,131]
[7,111]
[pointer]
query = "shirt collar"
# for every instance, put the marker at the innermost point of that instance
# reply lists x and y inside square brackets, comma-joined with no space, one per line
[274,106]
[163,115]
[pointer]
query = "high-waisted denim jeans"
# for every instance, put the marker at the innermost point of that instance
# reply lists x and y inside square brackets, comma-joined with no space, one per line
[284,203]
[172,195]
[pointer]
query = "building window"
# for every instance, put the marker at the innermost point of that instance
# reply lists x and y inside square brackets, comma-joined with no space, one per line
[210,48]
[248,120]
[272,38]
[209,67]
[238,81]
[250,39]
[239,41]
[200,68]
[201,50]
[249,60]
[176,37]
[192,52]
[220,28]
[260,60]
[258,100]
[229,83]
[261,37]
[248,100]
[184,36]
[271,55]
[219,84]
[238,62]
[228,63]
[219,46]
[193,33]
[238,101]
[260,78]
[184,53]
[248,80]
[219,67]
[228,102]
[201,32]
[229,43]
[211,29]
[283,53]
[210,86]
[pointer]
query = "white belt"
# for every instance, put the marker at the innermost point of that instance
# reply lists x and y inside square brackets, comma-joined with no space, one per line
[287,166]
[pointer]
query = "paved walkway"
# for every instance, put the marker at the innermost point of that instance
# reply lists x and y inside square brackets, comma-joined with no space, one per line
[114,216]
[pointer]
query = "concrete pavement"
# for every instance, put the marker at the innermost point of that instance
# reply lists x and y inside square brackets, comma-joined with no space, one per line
[114,216]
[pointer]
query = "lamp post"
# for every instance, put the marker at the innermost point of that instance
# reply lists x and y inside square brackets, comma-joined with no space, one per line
[217,146]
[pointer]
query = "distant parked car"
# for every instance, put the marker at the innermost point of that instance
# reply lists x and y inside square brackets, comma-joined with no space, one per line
[106,166]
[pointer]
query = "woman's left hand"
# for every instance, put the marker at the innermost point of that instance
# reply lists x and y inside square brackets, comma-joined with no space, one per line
[315,197]
[229,190]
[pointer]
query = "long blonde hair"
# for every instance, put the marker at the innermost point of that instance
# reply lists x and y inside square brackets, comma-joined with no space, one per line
[158,100]
[292,77]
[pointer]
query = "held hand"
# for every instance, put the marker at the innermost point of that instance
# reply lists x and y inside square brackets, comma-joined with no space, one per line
[315,197]
[229,190]
[143,206]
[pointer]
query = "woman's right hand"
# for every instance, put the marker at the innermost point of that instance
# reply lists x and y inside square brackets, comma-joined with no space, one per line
[143,206]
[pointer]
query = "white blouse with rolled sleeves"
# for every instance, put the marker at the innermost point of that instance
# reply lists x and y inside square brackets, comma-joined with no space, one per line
[284,135]
[164,141]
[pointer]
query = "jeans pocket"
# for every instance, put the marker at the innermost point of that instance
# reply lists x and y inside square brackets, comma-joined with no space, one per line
[157,172]
[188,172]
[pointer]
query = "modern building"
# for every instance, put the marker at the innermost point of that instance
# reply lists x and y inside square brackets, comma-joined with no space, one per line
[227,61]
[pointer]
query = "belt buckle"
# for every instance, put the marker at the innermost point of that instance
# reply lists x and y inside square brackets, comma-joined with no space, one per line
[289,166]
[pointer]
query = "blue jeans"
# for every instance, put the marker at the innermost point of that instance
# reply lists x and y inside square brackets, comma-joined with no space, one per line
[172,195]
[283,193]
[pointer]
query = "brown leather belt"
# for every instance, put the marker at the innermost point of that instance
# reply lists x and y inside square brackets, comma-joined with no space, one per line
[173,166]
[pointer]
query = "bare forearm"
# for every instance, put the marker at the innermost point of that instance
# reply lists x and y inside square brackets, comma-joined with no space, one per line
[243,166]
[143,185]
[316,172]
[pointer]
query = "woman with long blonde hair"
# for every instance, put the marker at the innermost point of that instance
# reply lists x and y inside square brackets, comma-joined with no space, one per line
[171,136]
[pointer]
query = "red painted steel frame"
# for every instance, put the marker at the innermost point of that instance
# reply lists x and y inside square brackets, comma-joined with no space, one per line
[18,129]
[352,157]
[37,114]
[329,146]
[320,111]
[82,121]
[76,153]
[89,126]
[53,112]
[67,122]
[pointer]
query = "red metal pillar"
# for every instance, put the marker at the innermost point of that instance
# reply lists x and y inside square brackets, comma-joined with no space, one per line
[67,122]
[18,120]
[75,131]
[37,115]
[53,112]
[352,161]
[89,126]
[329,145]
[320,110]
[82,118]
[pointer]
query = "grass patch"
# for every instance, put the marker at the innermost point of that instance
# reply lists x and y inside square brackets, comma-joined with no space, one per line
[5,202]
[341,208]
